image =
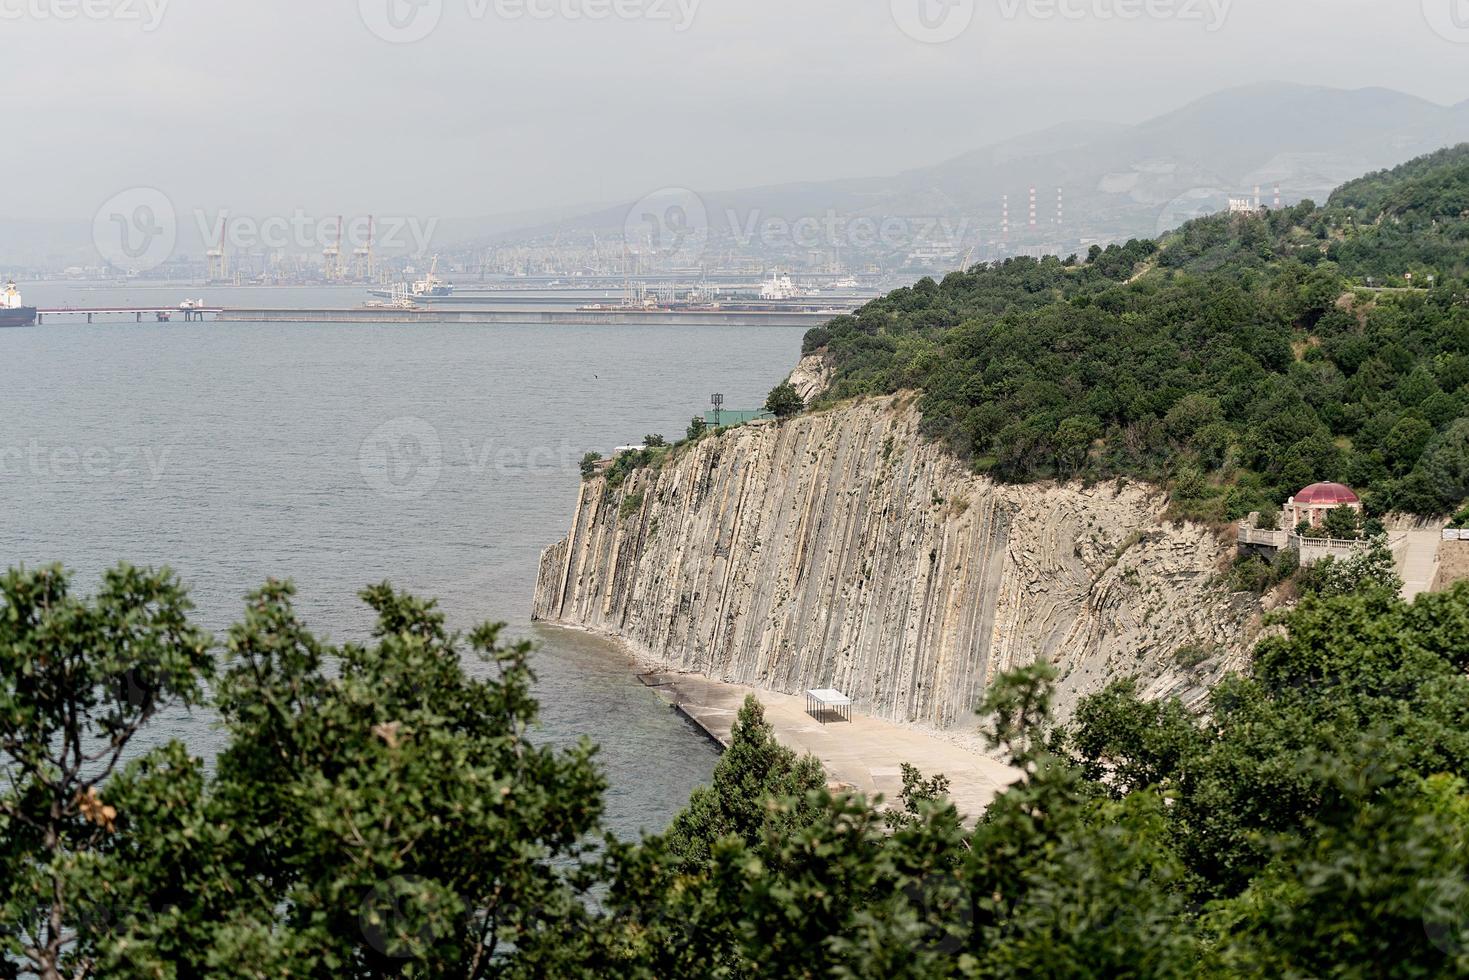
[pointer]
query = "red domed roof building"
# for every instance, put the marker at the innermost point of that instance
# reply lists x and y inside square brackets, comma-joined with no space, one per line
[1313,503]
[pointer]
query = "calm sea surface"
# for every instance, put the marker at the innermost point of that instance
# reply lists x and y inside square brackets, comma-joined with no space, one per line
[441,458]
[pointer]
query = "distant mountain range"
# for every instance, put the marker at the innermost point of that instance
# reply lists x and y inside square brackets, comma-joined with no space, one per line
[1118,181]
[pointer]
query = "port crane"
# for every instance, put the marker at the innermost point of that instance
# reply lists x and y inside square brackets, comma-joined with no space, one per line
[363,257]
[332,256]
[218,266]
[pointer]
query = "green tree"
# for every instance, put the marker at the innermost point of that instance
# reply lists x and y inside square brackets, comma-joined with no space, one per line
[784,401]
[754,769]
[1073,440]
[1445,467]
[815,339]
[697,428]
[80,681]
[919,792]
[1343,523]
[589,465]
[1406,442]
[373,807]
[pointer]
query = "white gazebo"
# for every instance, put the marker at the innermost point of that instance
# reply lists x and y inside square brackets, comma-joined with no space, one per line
[819,702]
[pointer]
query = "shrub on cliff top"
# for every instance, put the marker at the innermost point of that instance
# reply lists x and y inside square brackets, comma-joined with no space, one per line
[784,401]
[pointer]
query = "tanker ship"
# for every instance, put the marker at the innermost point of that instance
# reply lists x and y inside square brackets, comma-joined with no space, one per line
[13,313]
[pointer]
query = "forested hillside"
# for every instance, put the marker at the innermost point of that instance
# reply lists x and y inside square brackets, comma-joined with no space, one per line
[1237,359]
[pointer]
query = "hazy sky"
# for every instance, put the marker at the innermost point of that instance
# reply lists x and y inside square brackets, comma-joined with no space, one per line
[275,105]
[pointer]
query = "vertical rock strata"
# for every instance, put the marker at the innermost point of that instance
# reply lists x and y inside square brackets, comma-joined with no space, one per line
[840,549]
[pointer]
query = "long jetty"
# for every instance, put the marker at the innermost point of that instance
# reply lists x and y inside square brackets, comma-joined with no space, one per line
[161,313]
[385,314]
[777,318]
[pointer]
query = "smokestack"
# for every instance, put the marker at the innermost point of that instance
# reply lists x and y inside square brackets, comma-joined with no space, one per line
[1006,223]
[1257,197]
[1277,197]
[1060,208]
[1032,208]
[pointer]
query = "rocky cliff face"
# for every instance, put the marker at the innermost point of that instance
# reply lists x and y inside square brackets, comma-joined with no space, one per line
[840,549]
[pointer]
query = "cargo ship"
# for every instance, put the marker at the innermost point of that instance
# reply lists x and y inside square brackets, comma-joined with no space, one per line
[428,288]
[14,313]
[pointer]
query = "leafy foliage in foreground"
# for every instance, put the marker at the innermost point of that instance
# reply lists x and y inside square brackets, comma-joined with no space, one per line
[1239,358]
[373,806]
[390,817]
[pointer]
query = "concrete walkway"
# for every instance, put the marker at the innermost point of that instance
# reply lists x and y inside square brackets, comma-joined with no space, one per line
[1420,562]
[865,753]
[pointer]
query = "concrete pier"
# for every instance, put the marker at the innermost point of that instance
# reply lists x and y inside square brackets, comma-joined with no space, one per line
[866,753]
[529,316]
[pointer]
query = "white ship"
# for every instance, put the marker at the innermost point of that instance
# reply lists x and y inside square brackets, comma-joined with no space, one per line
[13,311]
[780,287]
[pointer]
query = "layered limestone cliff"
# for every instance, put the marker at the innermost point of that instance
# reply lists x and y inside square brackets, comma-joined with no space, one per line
[840,549]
